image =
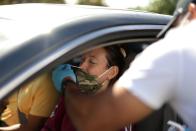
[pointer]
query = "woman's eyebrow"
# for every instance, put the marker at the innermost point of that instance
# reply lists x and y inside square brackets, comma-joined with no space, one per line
[93,56]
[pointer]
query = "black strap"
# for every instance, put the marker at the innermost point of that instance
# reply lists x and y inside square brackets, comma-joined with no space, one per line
[21,115]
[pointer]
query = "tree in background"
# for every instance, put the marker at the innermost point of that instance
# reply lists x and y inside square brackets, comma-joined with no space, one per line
[91,2]
[88,2]
[162,6]
[157,6]
[2,2]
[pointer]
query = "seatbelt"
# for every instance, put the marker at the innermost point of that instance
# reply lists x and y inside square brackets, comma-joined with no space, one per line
[177,127]
[21,115]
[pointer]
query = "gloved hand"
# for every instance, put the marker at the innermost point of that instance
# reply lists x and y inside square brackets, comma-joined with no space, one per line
[60,73]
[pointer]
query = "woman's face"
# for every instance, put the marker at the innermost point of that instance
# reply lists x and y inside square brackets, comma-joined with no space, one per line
[94,62]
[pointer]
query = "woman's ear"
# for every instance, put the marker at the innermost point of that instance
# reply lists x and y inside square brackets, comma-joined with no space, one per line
[114,70]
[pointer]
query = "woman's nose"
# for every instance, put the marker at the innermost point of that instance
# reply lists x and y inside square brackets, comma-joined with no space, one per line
[83,66]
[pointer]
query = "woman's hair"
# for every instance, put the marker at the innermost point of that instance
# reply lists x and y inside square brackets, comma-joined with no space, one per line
[117,56]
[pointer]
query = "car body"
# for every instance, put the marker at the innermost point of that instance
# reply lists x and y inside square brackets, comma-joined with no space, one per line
[37,37]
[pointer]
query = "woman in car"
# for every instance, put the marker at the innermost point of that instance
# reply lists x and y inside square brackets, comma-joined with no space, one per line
[107,64]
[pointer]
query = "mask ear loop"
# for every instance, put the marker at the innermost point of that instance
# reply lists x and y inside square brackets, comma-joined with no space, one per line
[100,76]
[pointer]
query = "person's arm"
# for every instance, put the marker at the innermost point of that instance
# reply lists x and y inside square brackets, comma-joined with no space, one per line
[100,113]
[35,123]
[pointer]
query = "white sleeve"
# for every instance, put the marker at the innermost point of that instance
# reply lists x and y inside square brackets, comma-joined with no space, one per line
[152,75]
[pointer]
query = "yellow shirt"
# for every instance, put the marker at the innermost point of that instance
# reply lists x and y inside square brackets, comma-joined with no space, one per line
[37,98]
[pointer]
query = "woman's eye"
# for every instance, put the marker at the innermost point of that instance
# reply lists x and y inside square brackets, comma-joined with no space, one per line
[92,61]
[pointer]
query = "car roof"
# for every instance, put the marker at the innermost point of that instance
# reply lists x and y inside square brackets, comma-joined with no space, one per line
[26,21]
[21,22]
[30,32]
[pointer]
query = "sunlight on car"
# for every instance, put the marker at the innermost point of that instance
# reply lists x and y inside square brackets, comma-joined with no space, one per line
[71,1]
[13,33]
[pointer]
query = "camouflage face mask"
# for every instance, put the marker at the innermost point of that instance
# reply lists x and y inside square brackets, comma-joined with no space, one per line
[88,84]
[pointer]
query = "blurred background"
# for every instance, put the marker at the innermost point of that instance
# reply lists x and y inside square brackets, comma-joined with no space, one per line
[157,6]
